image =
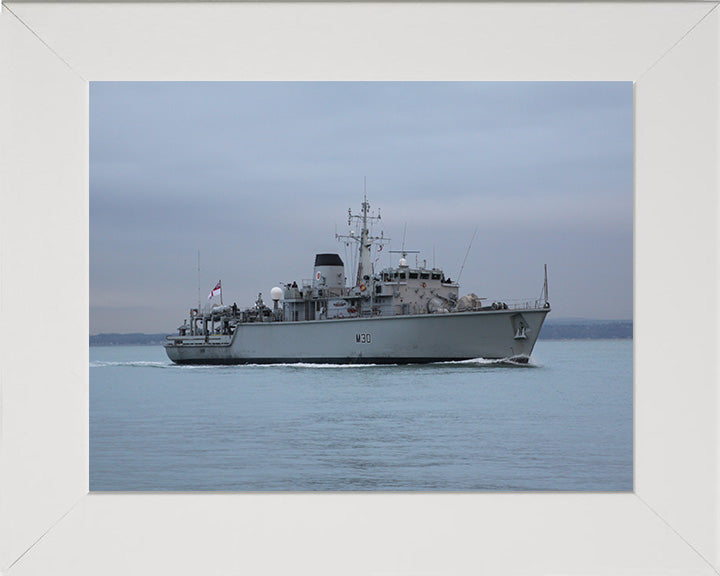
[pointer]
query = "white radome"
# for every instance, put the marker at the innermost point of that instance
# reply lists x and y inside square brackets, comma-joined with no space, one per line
[276,293]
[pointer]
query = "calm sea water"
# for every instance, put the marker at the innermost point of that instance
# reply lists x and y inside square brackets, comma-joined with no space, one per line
[562,423]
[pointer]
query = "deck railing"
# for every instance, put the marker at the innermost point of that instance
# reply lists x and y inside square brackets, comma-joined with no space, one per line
[523,304]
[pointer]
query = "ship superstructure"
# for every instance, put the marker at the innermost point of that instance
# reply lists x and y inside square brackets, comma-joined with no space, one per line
[399,314]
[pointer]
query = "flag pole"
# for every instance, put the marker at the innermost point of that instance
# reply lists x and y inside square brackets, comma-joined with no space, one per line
[221,302]
[199,300]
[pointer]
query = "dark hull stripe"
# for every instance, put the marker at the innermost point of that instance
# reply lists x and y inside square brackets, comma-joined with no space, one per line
[363,360]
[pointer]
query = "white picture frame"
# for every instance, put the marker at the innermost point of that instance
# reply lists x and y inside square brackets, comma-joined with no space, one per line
[49,523]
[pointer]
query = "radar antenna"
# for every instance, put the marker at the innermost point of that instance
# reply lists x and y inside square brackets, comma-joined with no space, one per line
[403,251]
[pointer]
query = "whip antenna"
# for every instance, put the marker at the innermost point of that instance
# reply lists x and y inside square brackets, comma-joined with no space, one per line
[466,255]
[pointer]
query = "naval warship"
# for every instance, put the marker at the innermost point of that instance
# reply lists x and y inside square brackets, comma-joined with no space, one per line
[398,315]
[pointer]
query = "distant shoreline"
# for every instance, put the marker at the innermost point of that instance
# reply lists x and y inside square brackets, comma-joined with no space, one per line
[551,330]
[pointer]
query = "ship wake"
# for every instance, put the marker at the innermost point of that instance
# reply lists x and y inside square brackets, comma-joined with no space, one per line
[522,362]
[131,364]
[519,361]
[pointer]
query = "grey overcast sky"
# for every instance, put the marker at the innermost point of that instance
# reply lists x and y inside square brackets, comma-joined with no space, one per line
[258,177]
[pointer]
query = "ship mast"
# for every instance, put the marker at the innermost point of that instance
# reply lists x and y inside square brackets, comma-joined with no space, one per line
[364,256]
[365,240]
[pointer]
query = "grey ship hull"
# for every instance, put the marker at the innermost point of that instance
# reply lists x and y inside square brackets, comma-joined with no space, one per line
[380,340]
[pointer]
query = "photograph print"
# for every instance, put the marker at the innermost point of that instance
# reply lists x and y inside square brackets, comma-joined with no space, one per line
[361,286]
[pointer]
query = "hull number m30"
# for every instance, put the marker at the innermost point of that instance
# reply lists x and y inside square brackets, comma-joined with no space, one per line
[363,338]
